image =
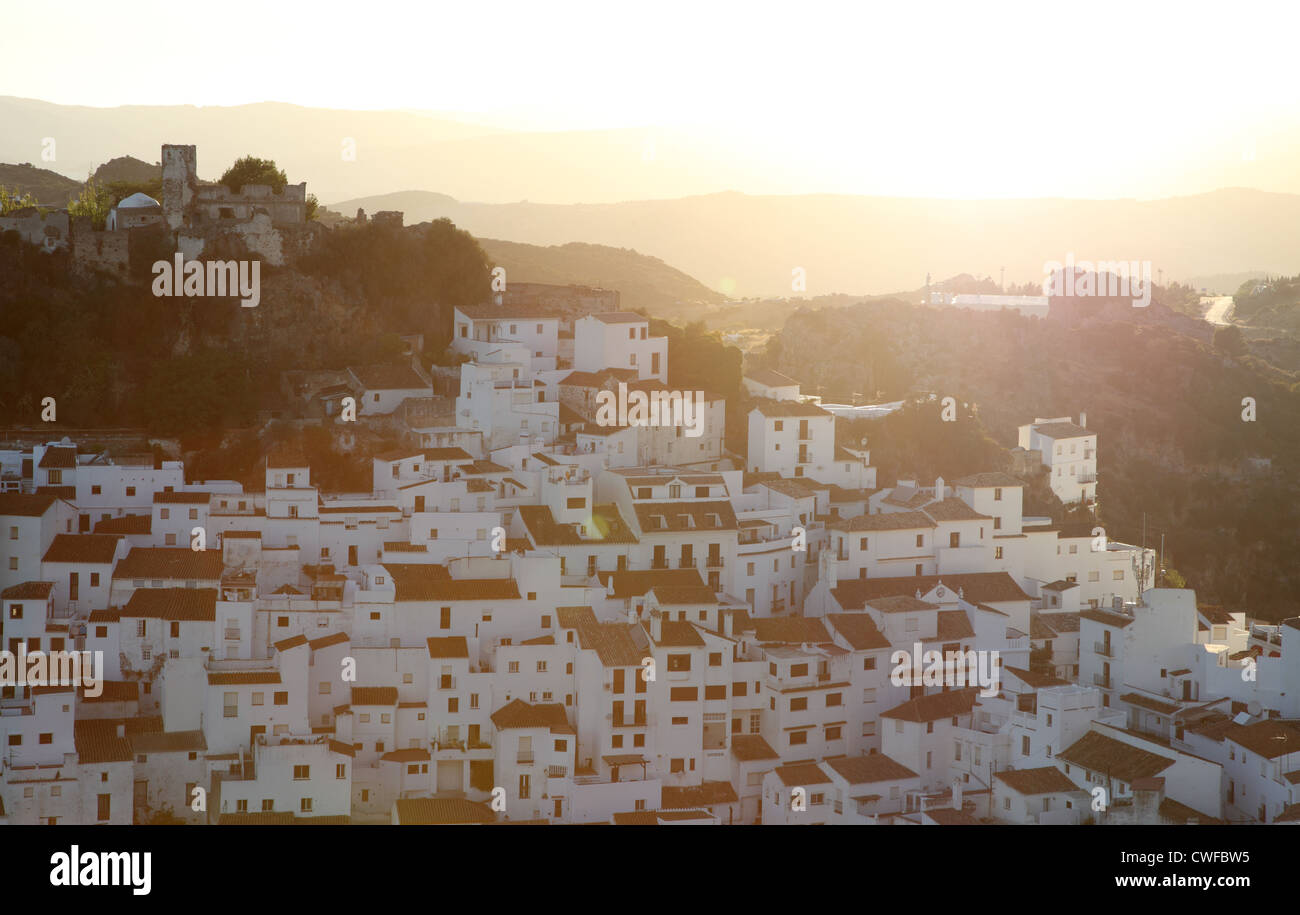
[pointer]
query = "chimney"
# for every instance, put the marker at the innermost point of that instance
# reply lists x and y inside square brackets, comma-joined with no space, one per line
[1083,419]
[729,623]
[121,730]
[938,488]
[657,625]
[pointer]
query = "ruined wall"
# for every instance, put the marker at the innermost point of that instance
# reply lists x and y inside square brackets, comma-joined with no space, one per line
[92,250]
[180,178]
[217,203]
[586,299]
[50,230]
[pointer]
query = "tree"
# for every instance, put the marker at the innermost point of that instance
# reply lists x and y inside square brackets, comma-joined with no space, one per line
[252,170]
[1229,341]
[92,203]
[12,200]
[313,207]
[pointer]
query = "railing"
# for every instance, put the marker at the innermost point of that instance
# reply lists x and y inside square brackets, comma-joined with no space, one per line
[659,563]
[1104,649]
[232,635]
[713,562]
[557,771]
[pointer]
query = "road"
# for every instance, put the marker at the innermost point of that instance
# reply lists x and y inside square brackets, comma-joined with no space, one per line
[1220,305]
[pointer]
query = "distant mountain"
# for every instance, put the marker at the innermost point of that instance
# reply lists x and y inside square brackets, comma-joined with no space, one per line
[49,188]
[751,245]
[128,168]
[642,281]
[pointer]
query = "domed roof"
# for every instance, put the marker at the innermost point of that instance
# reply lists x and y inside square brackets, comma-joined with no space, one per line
[137,201]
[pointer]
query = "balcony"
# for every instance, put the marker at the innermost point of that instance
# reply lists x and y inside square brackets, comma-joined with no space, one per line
[232,635]
[1104,649]
[1101,680]
[659,563]
[524,759]
[1086,478]
[713,562]
[557,771]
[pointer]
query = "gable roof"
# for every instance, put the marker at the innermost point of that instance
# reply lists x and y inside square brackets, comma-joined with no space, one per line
[1042,780]
[1099,752]
[173,604]
[519,714]
[974,587]
[91,548]
[874,767]
[24,505]
[859,630]
[935,706]
[169,562]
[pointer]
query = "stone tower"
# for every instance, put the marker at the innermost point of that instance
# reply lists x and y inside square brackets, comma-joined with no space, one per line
[180,177]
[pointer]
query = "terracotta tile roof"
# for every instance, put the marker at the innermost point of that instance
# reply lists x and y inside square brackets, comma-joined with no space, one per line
[23,505]
[452,646]
[182,498]
[749,747]
[117,691]
[411,754]
[86,548]
[953,510]
[520,714]
[420,582]
[28,590]
[110,615]
[1042,780]
[670,596]
[986,480]
[790,629]
[257,818]
[169,741]
[1060,623]
[243,677]
[127,524]
[292,642]
[441,811]
[544,531]
[770,378]
[874,767]
[900,603]
[707,794]
[953,624]
[326,641]
[1098,752]
[885,521]
[1036,679]
[374,695]
[640,583]
[616,644]
[859,630]
[975,587]
[447,454]
[679,634]
[799,775]
[1268,739]
[598,379]
[62,458]
[387,377]
[1146,702]
[620,317]
[948,704]
[1106,617]
[947,816]
[656,517]
[97,742]
[168,562]
[173,604]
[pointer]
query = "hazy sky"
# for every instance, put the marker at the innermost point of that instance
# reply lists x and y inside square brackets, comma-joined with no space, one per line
[856,97]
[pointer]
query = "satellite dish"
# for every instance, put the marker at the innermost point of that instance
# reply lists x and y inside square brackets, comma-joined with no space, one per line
[1253,707]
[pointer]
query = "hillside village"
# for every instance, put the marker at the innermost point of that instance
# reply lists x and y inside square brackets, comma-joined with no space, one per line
[535,614]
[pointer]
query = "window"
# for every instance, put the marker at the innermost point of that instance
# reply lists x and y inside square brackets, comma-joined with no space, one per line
[304,805]
[259,698]
[1117,575]
[541,667]
[301,773]
[799,704]
[282,698]
[513,667]
[834,699]
[997,552]
[798,738]
[105,806]
[232,705]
